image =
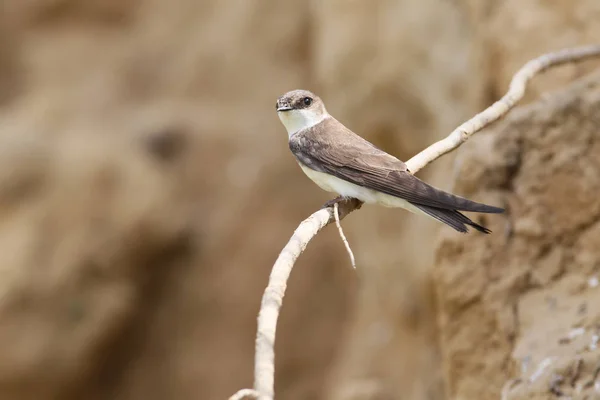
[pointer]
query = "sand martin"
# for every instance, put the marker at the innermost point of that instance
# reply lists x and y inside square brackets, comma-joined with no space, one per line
[340,161]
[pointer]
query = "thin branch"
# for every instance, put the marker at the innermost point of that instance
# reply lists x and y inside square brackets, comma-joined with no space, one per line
[341,231]
[264,363]
[245,394]
[264,366]
[515,93]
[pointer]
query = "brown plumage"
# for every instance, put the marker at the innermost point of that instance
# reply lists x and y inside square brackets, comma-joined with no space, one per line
[331,148]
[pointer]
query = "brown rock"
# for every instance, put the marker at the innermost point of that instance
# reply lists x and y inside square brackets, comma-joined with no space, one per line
[555,312]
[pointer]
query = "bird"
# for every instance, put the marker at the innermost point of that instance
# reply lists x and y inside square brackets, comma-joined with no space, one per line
[340,161]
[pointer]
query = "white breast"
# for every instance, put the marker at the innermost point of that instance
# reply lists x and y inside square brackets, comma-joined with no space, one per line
[333,184]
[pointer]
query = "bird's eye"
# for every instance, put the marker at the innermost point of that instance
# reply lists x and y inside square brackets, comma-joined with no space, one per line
[307,101]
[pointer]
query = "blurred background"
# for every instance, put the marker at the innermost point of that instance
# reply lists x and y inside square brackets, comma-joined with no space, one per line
[146,188]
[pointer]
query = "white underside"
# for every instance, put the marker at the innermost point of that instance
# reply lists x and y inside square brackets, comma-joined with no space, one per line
[332,184]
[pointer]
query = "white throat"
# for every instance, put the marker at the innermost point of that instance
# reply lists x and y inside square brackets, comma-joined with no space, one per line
[296,120]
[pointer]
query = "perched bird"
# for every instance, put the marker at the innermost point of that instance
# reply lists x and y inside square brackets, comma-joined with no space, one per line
[340,161]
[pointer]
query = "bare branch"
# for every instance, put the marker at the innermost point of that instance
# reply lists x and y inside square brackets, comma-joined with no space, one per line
[264,363]
[264,367]
[341,231]
[515,93]
[245,394]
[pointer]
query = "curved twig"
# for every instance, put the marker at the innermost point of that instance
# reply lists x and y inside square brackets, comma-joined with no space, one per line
[515,93]
[336,215]
[245,394]
[264,366]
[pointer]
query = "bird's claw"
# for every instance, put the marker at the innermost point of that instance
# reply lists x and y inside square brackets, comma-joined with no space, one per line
[331,202]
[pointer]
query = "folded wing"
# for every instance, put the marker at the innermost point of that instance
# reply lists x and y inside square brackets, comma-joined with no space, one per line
[331,148]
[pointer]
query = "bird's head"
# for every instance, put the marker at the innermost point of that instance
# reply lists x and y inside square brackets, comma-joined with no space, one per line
[300,109]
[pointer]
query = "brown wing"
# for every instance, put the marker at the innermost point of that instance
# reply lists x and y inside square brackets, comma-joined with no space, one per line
[332,148]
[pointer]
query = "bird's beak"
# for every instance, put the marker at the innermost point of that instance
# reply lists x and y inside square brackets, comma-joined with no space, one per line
[283,106]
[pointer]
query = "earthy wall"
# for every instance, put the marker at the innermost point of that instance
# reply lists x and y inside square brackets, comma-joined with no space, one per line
[146,189]
[524,304]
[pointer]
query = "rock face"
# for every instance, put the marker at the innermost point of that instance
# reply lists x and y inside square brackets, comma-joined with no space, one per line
[146,189]
[524,304]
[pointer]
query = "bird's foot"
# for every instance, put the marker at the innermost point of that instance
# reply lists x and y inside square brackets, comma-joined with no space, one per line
[331,202]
